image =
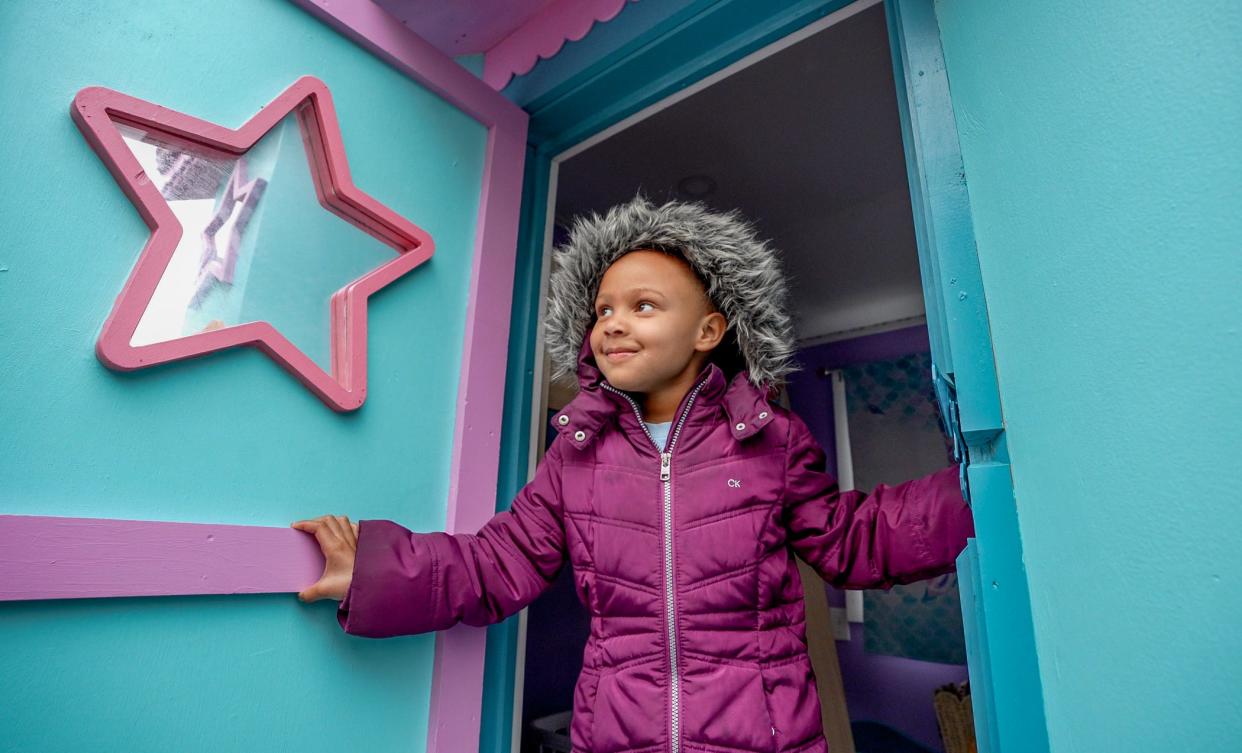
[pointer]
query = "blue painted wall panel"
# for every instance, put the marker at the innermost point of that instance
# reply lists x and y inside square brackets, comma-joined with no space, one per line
[1003,661]
[957,314]
[1100,144]
[231,437]
[975,629]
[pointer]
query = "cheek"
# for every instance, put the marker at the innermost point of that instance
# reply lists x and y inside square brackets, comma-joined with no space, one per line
[654,333]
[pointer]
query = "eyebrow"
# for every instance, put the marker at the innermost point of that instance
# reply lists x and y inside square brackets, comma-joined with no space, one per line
[637,291]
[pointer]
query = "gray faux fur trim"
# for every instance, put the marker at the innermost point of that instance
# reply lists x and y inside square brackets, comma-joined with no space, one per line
[744,276]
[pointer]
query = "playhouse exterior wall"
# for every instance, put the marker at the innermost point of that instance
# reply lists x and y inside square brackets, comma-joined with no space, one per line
[1100,149]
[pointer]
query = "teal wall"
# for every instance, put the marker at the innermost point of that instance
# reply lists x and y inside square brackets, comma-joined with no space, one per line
[1101,150]
[227,438]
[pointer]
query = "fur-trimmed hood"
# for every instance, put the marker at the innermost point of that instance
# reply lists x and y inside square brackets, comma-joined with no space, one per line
[744,277]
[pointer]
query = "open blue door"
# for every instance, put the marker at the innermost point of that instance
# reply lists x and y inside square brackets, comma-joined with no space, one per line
[1005,688]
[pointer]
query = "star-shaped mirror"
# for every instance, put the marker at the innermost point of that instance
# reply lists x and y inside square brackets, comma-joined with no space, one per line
[242,251]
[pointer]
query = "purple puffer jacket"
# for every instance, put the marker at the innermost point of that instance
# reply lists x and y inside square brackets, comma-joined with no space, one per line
[684,559]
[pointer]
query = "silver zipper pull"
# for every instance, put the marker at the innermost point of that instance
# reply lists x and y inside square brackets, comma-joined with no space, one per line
[666,464]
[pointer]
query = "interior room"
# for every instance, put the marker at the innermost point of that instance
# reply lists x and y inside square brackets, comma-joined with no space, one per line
[804,138]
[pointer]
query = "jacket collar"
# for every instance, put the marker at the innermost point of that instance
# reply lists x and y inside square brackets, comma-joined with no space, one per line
[746,406]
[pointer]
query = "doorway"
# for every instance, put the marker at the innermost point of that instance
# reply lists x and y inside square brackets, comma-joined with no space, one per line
[811,136]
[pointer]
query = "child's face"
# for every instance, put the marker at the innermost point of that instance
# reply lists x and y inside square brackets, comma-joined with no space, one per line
[653,323]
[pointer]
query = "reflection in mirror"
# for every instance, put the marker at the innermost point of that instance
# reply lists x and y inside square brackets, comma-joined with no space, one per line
[256,244]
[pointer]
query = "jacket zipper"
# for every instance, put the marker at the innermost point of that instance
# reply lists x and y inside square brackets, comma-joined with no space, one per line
[670,602]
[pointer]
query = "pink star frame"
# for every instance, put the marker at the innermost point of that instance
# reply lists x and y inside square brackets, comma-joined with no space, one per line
[97,111]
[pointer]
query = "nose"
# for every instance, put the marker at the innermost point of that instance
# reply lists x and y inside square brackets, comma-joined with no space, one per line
[614,324]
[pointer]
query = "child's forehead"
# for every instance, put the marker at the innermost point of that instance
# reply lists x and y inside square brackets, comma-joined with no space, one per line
[654,274]
[648,271]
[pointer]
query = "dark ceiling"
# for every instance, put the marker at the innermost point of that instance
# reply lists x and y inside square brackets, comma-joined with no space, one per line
[807,143]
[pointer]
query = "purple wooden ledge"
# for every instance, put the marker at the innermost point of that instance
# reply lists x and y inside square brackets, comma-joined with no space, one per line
[82,558]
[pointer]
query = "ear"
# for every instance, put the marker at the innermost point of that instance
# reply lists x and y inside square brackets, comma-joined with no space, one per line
[711,331]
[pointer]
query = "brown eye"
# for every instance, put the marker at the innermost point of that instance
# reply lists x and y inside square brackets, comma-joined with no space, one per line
[645,303]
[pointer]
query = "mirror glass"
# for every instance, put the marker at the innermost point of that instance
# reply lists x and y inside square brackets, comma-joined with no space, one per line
[256,244]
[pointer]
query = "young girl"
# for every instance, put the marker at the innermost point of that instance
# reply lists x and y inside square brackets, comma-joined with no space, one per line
[678,492]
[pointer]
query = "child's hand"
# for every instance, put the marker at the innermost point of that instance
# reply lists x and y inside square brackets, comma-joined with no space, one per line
[338,540]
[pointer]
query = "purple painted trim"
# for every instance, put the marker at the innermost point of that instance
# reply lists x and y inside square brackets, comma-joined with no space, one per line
[811,394]
[877,347]
[457,677]
[543,35]
[82,558]
[384,36]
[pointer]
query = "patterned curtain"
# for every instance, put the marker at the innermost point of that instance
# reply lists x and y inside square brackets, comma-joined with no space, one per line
[895,435]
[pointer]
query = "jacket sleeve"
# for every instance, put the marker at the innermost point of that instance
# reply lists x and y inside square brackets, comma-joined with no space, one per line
[897,534]
[406,582]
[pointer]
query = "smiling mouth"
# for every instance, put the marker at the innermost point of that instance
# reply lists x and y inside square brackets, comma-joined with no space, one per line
[619,355]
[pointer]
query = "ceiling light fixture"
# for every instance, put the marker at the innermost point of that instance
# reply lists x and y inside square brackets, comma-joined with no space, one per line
[696,186]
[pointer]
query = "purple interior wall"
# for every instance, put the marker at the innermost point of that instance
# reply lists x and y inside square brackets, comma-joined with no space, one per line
[809,392]
[894,691]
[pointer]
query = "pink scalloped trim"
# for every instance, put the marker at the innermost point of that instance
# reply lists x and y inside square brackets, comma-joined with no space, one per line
[544,35]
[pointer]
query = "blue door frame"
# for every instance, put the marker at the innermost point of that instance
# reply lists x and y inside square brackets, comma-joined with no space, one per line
[695,41]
